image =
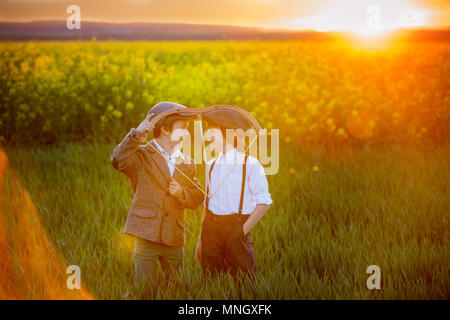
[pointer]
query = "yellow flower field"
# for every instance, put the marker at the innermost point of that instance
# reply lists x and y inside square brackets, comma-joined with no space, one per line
[317,93]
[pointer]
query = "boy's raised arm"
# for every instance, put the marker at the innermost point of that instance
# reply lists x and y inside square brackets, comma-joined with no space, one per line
[124,157]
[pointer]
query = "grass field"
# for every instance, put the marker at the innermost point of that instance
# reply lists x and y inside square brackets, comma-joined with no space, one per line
[363,180]
[324,229]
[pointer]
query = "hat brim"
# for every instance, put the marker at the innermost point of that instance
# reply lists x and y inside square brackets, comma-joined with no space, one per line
[183,116]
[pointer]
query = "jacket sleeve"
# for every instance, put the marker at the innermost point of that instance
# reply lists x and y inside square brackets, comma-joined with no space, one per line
[124,157]
[192,196]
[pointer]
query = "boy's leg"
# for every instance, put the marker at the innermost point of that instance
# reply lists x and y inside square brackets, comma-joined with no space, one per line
[171,260]
[213,236]
[146,255]
[239,250]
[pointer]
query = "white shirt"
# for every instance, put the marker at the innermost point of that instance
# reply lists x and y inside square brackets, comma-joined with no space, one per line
[169,158]
[225,198]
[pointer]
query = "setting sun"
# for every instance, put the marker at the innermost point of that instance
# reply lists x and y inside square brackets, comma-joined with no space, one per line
[365,17]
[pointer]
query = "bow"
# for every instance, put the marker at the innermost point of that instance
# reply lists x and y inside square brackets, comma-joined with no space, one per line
[198,112]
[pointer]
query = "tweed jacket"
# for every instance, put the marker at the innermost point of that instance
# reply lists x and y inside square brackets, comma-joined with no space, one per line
[154,214]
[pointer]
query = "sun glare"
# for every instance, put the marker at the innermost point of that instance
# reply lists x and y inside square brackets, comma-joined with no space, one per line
[369,18]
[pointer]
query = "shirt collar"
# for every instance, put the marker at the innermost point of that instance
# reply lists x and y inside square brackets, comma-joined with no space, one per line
[177,153]
[231,155]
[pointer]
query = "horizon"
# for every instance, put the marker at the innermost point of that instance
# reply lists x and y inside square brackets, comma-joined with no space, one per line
[418,28]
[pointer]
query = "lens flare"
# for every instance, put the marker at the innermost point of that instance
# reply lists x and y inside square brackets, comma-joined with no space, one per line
[30,267]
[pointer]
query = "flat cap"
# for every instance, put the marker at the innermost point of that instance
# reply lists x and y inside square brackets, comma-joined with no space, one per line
[164,106]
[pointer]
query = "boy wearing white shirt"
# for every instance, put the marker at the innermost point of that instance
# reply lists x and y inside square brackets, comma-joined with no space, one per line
[239,198]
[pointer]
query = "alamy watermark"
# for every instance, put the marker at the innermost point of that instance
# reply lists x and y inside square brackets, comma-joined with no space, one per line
[373,21]
[374,281]
[260,144]
[73,22]
[74,280]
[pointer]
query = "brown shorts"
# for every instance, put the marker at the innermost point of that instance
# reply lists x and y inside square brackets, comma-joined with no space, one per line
[224,245]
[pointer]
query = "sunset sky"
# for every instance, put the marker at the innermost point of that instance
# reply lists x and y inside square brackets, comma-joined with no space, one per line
[321,15]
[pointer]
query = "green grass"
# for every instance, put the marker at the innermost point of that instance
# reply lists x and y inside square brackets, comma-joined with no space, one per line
[388,208]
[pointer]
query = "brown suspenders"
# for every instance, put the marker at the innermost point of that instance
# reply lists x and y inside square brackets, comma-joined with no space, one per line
[207,187]
[241,201]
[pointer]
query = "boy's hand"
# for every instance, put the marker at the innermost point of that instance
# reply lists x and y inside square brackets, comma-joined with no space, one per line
[145,127]
[245,229]
[196,180]
[175,188]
